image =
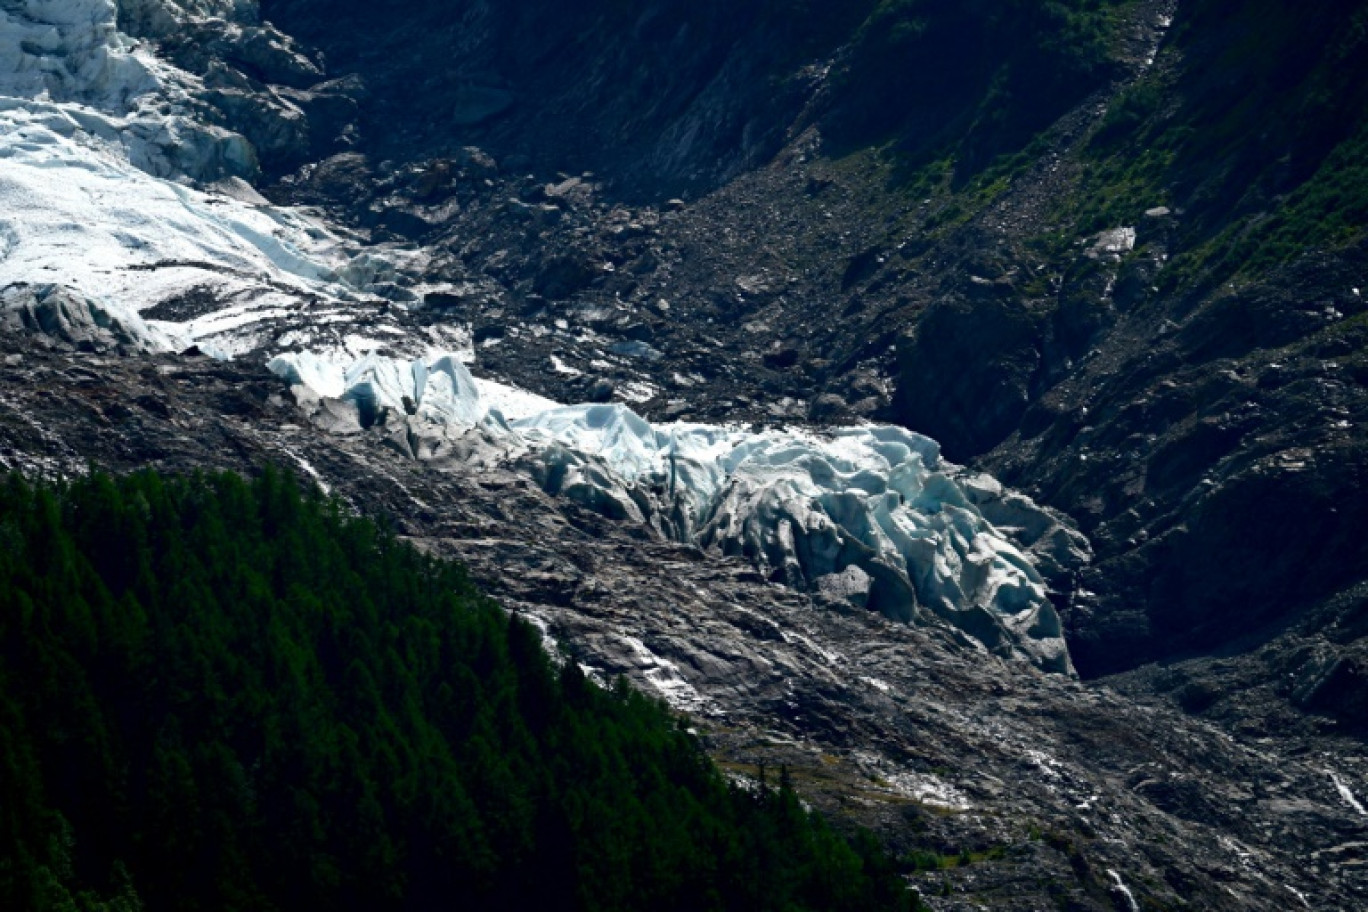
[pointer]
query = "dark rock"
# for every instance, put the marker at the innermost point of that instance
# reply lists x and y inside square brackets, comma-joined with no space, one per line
[827,407]
[600,390]
[563,275]
[965,372]
[446,300]
[476,162]
[639,332]
[275,126]
[474,104]
[862,267]
[487,332]
[268,55]
[781,358]
[342,179]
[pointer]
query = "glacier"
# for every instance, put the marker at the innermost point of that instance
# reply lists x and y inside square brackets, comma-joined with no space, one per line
[871,516]
[119,195]
[117,187]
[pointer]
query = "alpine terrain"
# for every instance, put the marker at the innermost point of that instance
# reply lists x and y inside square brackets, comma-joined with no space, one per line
[956,413]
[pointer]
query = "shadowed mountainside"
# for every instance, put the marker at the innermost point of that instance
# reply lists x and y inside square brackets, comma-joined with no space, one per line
[1109,250]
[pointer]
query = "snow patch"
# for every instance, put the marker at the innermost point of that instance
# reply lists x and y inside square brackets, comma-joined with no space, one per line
[664,676]
[875,683]
[1120,888]
[309,470]
[1346,793]
[561,367]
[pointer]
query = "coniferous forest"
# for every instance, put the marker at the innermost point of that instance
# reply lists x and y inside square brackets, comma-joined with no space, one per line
[225,694]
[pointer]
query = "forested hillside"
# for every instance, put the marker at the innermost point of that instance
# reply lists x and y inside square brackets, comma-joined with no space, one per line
[221,694]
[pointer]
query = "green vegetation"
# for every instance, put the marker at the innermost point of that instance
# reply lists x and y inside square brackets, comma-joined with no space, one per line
[925,860]
[217,694]
[1251,125]
[1328,211]
[1257,133]
[972,81]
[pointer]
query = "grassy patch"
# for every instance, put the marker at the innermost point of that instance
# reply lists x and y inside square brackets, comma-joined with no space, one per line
[924,860]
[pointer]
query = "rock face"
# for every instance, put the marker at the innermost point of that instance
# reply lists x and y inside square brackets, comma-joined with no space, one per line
[1231,442]
[970,410]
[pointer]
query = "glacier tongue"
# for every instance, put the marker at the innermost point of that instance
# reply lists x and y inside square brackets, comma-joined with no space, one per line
[805,508]
[100,142]
[870,514]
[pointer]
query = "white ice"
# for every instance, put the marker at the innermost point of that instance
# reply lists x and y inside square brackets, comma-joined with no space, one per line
[803,507]
[1120,887]
[101,151]
[1346,793]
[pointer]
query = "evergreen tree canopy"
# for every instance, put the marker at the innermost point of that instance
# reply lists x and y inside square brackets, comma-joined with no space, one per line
[218,694]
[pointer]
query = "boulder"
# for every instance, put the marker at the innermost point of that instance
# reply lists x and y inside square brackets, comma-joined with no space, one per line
[69,317]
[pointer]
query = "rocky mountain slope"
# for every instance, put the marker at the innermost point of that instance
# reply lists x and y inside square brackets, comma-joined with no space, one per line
[997,784]
[1112,253]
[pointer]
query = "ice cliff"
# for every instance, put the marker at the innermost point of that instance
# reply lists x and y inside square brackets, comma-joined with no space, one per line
[871,516]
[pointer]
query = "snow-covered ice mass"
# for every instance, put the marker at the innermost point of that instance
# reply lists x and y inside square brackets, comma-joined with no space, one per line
[869,515]
[114,185]
[122,206]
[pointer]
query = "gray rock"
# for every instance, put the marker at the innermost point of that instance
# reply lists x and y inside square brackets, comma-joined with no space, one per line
[826,407]
[67,316]
[476,162]
[337,416]
[634,348]
[852,585]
